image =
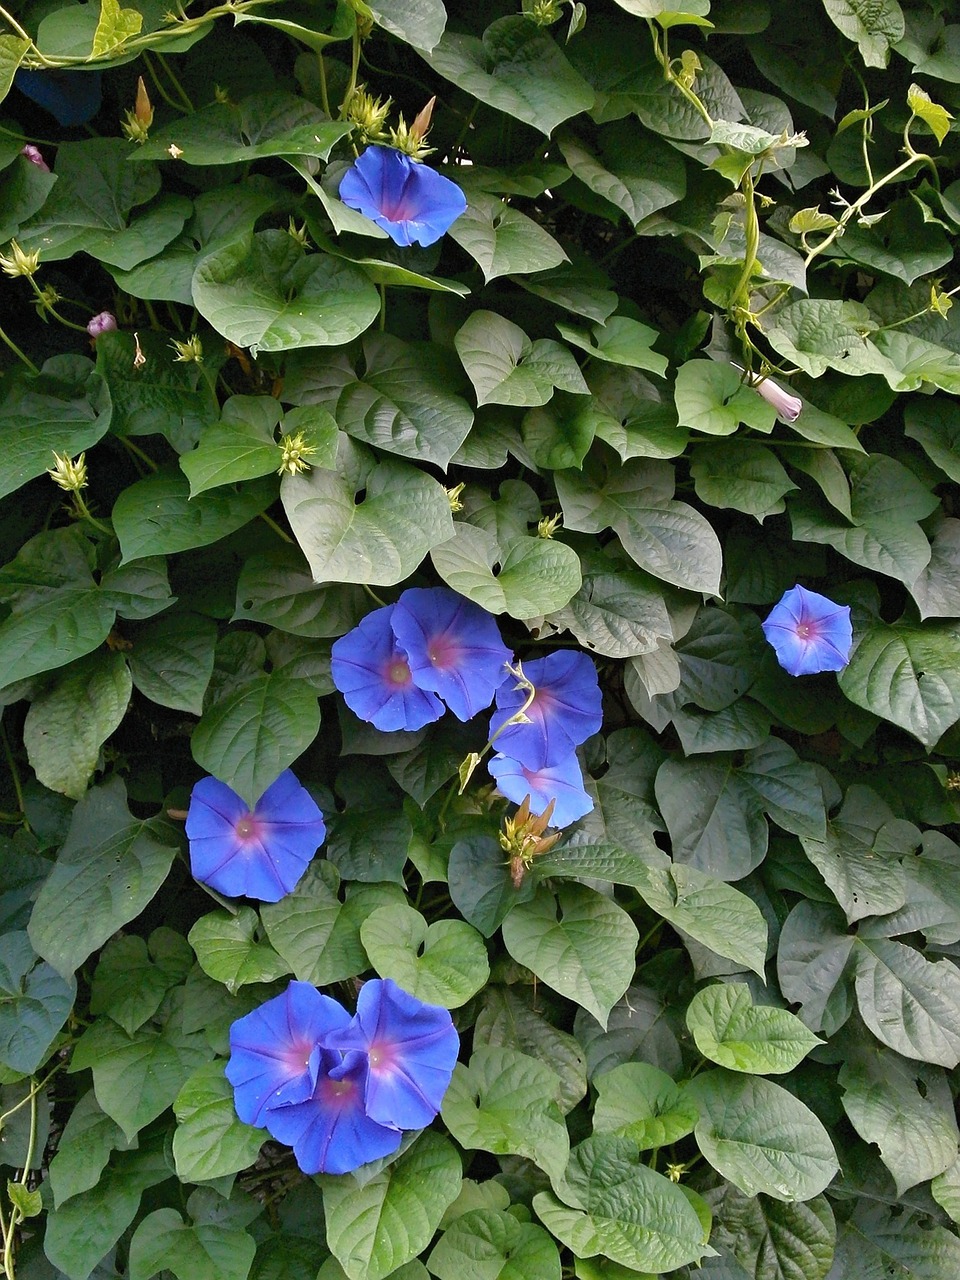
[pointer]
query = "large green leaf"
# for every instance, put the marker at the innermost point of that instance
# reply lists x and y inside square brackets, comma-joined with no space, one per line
[157,516]
[761,1137]
[715,821]
[381,539]
[618,612]
[523,576]
[164,1242]
[404,402]
[137,1077]
[487,1244]
[64,410]
[906,1110]
[70,721]
[228,950]
[419,22]
[90,208]
[444,963]
[34,1004]
[883,1240]
[505,1102]
[516,68]
[502,240]
[248,737]
[84,1148]
[609,1204]
[636,172]
[731,1030]
[171,661]
[909,1003]
[58,613]
[667,538]
[266,124]
[263,292]
[712,398]
[241,446]
[769,1238]
[908,675]
[133,976]
[874,24]
[813,965]
[81,1232]
[210,1141]
[586,952]
[642,1103]
[509,1019]
[506,367]
[374,1229]
[109,868]
[276,587]
[316,933]
[12,51]
[741,474]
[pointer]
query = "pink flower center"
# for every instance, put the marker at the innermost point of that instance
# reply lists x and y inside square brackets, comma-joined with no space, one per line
[444,652]
[247,828]
[338,1093]
[297,1057]
[398,672]
[807,630]
[381,1056]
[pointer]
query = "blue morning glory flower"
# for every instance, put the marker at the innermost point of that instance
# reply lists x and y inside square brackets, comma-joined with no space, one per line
[373,674]
[562,783]
[330,1131]
[275,1053]
[409,200]
[259,854]
[809,633]
[565,711]
[71,97]
[409,1050]
[453,647]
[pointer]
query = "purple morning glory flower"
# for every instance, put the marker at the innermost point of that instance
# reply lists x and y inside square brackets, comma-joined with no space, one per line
[562,783]
[453,647]
[373,674]
[809,633]
[565,710]
[275,1050]
[409,200]
[259,854]
[330,1131]
[71,97]
[409,1050]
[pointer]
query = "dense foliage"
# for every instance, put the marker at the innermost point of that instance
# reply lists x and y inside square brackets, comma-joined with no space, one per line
[686,342]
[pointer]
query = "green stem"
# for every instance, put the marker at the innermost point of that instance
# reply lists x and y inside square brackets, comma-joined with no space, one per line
[272,524]
[5,338]
[354,69]
[862,201]
[373,596]
[84,512]
[181,92]
[138,453]
[383,306]
[324,94]
[14,772]
[751,231]
[11,21]
[155,81]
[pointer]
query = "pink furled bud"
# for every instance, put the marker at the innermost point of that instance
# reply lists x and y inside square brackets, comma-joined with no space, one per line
[102,323]
[788,407]
[32,153]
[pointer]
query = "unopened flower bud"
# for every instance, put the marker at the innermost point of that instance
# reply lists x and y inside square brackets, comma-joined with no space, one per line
[18,262]
[295,449]
[70,476]
[369,114]
[411,139]
[105,322]
[453,497]
[189,352]
[788,407]
[32,153]
[298,234]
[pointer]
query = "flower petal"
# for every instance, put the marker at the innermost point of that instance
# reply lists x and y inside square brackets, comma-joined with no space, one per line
[562,783]
[453,647]
[809,632]
[407,199]
[410,1048]
[374,677]
[272,1049]
[566,710]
